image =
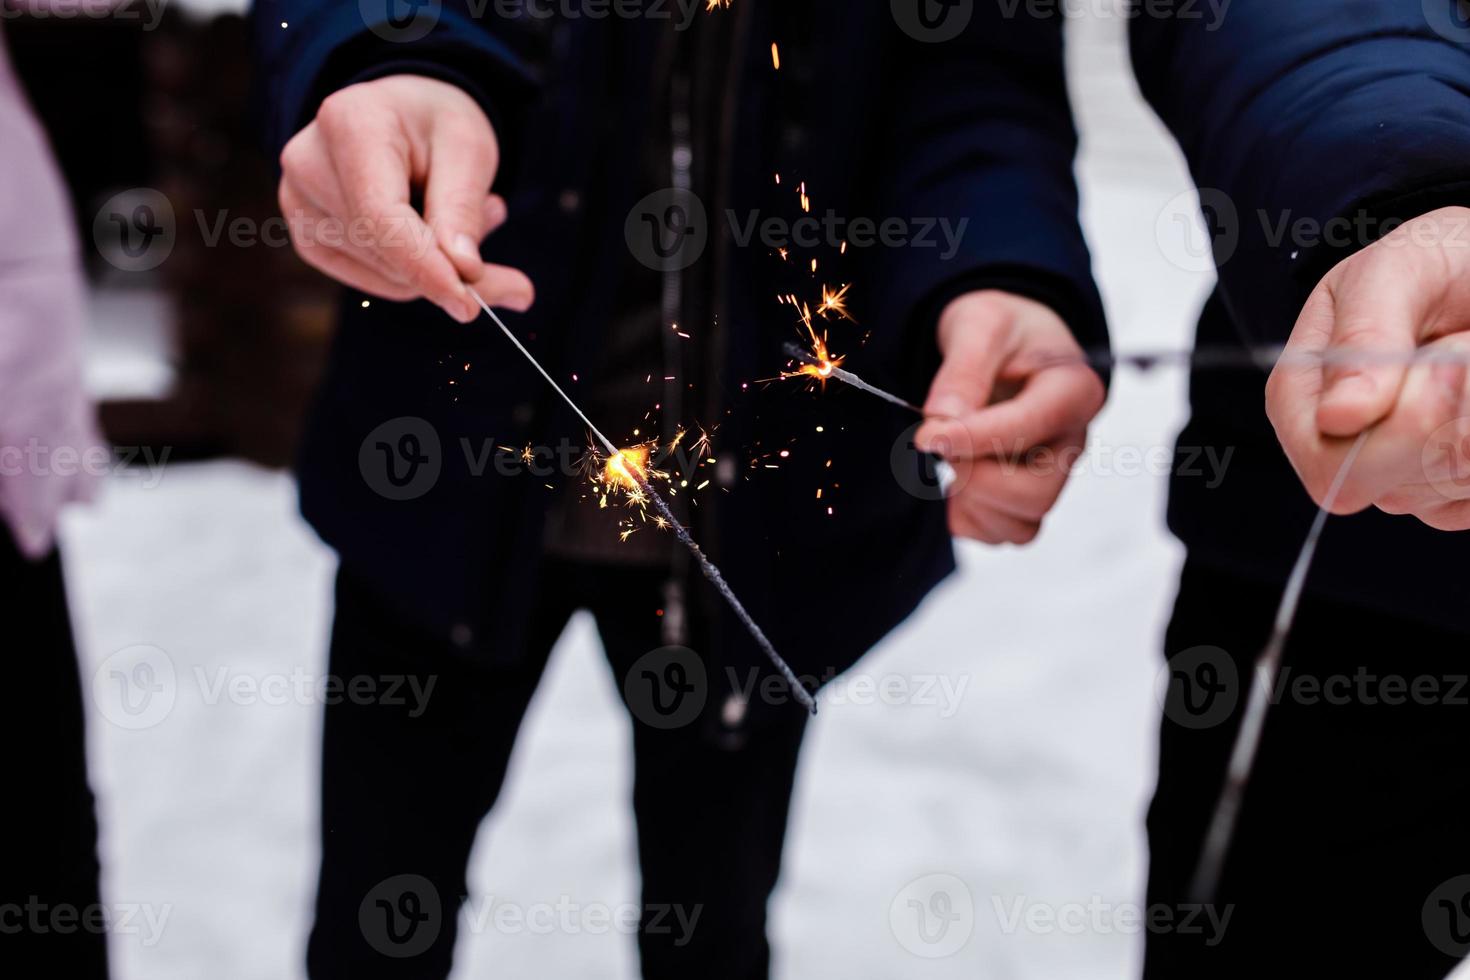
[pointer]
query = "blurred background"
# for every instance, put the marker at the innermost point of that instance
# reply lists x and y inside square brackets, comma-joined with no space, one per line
[1021,777]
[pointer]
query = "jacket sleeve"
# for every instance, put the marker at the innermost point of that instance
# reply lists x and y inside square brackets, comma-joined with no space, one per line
[1312,127]
[983,138]
[307,49]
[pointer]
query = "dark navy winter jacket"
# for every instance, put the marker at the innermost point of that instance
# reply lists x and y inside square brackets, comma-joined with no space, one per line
[1311,126]
[972,133]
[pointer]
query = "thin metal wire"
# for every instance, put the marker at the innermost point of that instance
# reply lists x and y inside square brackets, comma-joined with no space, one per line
[798,689]
[1221,833]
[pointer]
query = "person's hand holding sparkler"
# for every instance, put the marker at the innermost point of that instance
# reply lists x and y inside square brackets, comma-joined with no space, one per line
[1382,345]
[347,186]
[1013,380]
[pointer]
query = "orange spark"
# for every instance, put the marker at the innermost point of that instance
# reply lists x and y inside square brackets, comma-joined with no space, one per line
[835,302]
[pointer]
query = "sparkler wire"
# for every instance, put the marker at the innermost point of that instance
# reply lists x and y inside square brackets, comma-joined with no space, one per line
[798,690]
[1267,668]
[847,377]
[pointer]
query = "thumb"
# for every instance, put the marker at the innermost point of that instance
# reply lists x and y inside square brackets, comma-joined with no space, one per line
[975,350]
[457,204]
[1376,313]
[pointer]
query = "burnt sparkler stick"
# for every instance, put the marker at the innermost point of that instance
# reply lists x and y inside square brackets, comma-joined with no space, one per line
[830,370]
[1267,668]
[798,690]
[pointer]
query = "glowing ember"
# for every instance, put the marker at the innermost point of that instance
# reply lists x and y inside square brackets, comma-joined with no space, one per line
[822,362]
[627,468]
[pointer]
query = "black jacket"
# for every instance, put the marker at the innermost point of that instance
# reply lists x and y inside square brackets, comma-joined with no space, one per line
[1311,126]
[873,121]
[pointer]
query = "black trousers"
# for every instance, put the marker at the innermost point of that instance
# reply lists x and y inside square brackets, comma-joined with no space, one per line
[406,786]
[50,911]
[1352,857]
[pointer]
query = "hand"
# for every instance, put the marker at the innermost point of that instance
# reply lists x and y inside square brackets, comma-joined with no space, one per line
[348,178]
[999,395]
[1407,294]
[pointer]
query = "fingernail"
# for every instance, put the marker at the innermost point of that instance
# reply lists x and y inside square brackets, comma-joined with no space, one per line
[465,247]
[946,406]
[931,440]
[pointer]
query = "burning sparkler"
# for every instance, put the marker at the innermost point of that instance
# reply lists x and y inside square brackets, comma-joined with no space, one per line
[820,364]
[625,468]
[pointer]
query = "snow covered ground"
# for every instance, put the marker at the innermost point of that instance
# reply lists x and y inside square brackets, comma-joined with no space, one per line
[1028,795]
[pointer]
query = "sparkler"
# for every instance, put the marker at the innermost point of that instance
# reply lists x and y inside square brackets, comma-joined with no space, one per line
[626,468]
[1268,666]
[818,363]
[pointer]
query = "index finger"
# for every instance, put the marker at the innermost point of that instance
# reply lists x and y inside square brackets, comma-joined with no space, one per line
[375,175]
[1055,401]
